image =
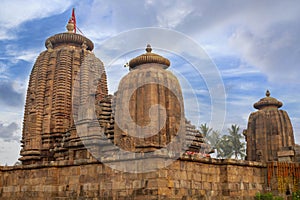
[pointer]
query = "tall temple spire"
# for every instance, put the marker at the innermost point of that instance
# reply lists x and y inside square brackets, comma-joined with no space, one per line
[48,117]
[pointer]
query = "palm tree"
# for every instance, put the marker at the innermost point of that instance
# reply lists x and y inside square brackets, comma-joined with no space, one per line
[214,140]
[205,130]
[238,147]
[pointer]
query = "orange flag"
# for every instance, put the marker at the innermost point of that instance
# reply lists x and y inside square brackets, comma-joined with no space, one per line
[74,19]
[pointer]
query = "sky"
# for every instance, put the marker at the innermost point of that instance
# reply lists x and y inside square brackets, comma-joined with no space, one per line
[252,46]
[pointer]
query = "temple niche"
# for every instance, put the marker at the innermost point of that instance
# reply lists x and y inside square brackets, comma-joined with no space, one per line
[269,133]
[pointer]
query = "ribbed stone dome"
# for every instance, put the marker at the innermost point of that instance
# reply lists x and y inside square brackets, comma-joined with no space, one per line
[149,57]
[267,102]
[70,39]
[149,106]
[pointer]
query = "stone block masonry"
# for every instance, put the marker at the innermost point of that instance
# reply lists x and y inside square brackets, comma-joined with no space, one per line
[190,177]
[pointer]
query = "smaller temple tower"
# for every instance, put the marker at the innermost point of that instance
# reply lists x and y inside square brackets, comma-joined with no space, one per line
[149,111]
[270,133]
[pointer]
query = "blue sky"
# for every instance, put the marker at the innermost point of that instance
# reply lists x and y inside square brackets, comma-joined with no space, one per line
[253,44]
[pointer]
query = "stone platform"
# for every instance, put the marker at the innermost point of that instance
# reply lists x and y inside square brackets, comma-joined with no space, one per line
[189,177]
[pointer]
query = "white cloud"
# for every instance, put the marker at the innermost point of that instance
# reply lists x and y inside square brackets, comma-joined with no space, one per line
[275,54]
[9,132]
[13,94]
[239,71]
[9,152]
[223,28]
[168,14]
[13,13]
[14,54]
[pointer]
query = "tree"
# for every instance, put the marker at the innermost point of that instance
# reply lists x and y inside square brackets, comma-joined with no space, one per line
[228,145]
[212,137]
[205,130]
[214,140]
[231,144]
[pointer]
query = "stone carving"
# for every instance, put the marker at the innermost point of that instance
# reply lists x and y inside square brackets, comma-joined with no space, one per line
[49,46]
[84,46]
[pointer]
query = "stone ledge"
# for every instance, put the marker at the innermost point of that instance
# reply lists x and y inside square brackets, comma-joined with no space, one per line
[191,158]
[285,153]
[194,158]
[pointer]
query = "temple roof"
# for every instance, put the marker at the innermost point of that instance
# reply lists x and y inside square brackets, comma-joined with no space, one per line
[149,57]
[69,38]
[267,102]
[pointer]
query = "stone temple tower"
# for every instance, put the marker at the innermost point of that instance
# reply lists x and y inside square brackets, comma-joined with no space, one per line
[48,117]
[270,133]
[149,110]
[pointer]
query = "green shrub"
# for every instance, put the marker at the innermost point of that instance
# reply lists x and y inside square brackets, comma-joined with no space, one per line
[296,195]
[267,196]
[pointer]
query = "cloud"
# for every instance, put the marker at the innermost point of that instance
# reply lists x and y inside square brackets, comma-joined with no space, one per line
[14,13]
[10,96]
[9,132]
[223,28]
[102,19]
[14,54]
[274,53]
[9,152]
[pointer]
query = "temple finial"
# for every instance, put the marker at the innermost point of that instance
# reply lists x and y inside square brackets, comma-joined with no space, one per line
[268,93]
[148,49]
[71,26]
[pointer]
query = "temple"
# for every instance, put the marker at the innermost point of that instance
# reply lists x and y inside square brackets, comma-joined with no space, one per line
[48,116]
[80,142]
[61,84]
[270,134]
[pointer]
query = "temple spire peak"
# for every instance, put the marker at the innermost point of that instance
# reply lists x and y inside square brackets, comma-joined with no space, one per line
[148,49]
[71,26]
[268,93]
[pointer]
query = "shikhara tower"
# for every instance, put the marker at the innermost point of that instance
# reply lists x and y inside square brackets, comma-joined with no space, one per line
[149,106]
[48,117]
[269,134]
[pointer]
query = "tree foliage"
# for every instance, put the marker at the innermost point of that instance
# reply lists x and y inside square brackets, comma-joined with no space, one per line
[227,146]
